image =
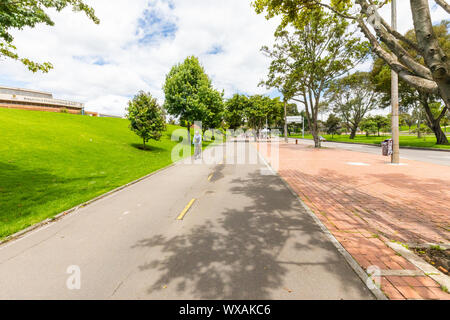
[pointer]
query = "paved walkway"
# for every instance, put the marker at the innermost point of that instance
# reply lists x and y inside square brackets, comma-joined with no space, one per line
[245,237]
[431,156]
[366,203]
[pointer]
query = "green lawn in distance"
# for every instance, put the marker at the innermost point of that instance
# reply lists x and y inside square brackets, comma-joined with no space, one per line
[51,162]
[428,141]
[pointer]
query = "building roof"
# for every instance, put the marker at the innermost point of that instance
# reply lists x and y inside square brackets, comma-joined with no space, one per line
[24,91]
[18,95]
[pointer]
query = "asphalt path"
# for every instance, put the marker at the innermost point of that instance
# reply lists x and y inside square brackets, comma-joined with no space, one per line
[192,231]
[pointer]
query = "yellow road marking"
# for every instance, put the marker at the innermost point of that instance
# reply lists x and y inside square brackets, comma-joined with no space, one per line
[210,176]
[185,210]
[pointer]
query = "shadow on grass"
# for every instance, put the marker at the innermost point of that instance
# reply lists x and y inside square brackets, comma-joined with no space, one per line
[140,147]
[22,191]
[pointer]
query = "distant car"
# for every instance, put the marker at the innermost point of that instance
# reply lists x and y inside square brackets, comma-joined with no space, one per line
[322,139]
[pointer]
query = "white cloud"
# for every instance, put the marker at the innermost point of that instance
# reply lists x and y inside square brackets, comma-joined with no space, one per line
[135,46]
[138,42]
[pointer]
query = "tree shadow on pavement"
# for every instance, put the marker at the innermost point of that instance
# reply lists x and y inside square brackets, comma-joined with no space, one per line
[250,251]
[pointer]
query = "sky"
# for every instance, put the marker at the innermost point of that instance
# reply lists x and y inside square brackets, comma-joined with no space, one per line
[138,41]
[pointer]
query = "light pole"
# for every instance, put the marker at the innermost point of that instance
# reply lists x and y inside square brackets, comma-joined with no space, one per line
[394,99]
[285,122]
[303,129]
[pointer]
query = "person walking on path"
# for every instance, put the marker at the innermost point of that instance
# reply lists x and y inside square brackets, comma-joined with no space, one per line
[198,145]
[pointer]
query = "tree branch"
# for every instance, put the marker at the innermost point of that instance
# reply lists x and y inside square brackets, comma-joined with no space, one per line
[443,4]
[420,83]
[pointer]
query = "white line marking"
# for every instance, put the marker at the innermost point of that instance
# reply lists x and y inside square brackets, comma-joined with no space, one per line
[361,164]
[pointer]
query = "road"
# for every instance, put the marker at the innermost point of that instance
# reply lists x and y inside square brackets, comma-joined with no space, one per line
[431,156]
[245,237]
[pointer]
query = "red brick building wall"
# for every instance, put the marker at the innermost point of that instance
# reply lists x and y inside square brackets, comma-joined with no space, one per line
[46,108]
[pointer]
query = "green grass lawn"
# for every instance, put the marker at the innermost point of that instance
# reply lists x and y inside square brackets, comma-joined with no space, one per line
[51,162]
[414,127]
[405,141]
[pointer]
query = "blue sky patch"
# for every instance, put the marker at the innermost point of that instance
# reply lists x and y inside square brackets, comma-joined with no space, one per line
[153,26]
[216,49]
[97,60]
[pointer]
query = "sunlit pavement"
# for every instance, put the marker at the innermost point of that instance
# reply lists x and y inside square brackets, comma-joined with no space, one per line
[431,156]
[217,231]
[366,202]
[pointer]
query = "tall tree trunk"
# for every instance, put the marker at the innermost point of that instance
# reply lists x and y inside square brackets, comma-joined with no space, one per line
[435,123]
[144,143]
[441,138]
[353,132]
[285,123]
[434,56]
[315,134]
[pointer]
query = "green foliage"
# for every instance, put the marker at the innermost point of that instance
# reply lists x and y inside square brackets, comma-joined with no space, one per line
[352,97]
[307,57]
[18,15]
[382,122]
[369,126]
[215,108]
[190,95]
[261,110]
[50,162]
[235,111]
[333,124]
[146,117]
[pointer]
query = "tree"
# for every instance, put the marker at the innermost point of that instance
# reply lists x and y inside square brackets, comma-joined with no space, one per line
[352,97]
[433,76]
[262,110]
[381,122]
[446,121]
[318,51]
[213,100]
[235,109]
[188,91]
[369,126]
[18,15]
[284,82]
[146,117]
[333,124]
[256,113]
[408,120]
[411,98]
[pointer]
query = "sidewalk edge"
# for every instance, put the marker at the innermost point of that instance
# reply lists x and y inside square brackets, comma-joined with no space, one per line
[347,256]
[59,216]
[379,295]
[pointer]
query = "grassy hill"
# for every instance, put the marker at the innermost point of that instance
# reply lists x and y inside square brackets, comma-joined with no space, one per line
[50,162]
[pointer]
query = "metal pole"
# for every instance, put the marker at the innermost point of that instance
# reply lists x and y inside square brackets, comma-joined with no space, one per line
[394,102]
[285,123]
[303,130]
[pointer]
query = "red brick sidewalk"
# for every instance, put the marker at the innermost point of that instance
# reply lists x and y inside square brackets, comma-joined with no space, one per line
[366,203]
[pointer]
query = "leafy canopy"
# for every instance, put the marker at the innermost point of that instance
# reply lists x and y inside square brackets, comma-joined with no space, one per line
[189,93]
[146,117]
[18,14]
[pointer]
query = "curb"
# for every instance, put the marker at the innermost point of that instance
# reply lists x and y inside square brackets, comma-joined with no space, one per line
[378,146]
[421,264]
[379,295]
[38,225]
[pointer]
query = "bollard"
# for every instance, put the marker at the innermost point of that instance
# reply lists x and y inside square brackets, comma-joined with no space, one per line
[296,141]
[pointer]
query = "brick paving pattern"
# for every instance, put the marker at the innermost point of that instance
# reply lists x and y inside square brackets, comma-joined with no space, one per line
[365,202]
